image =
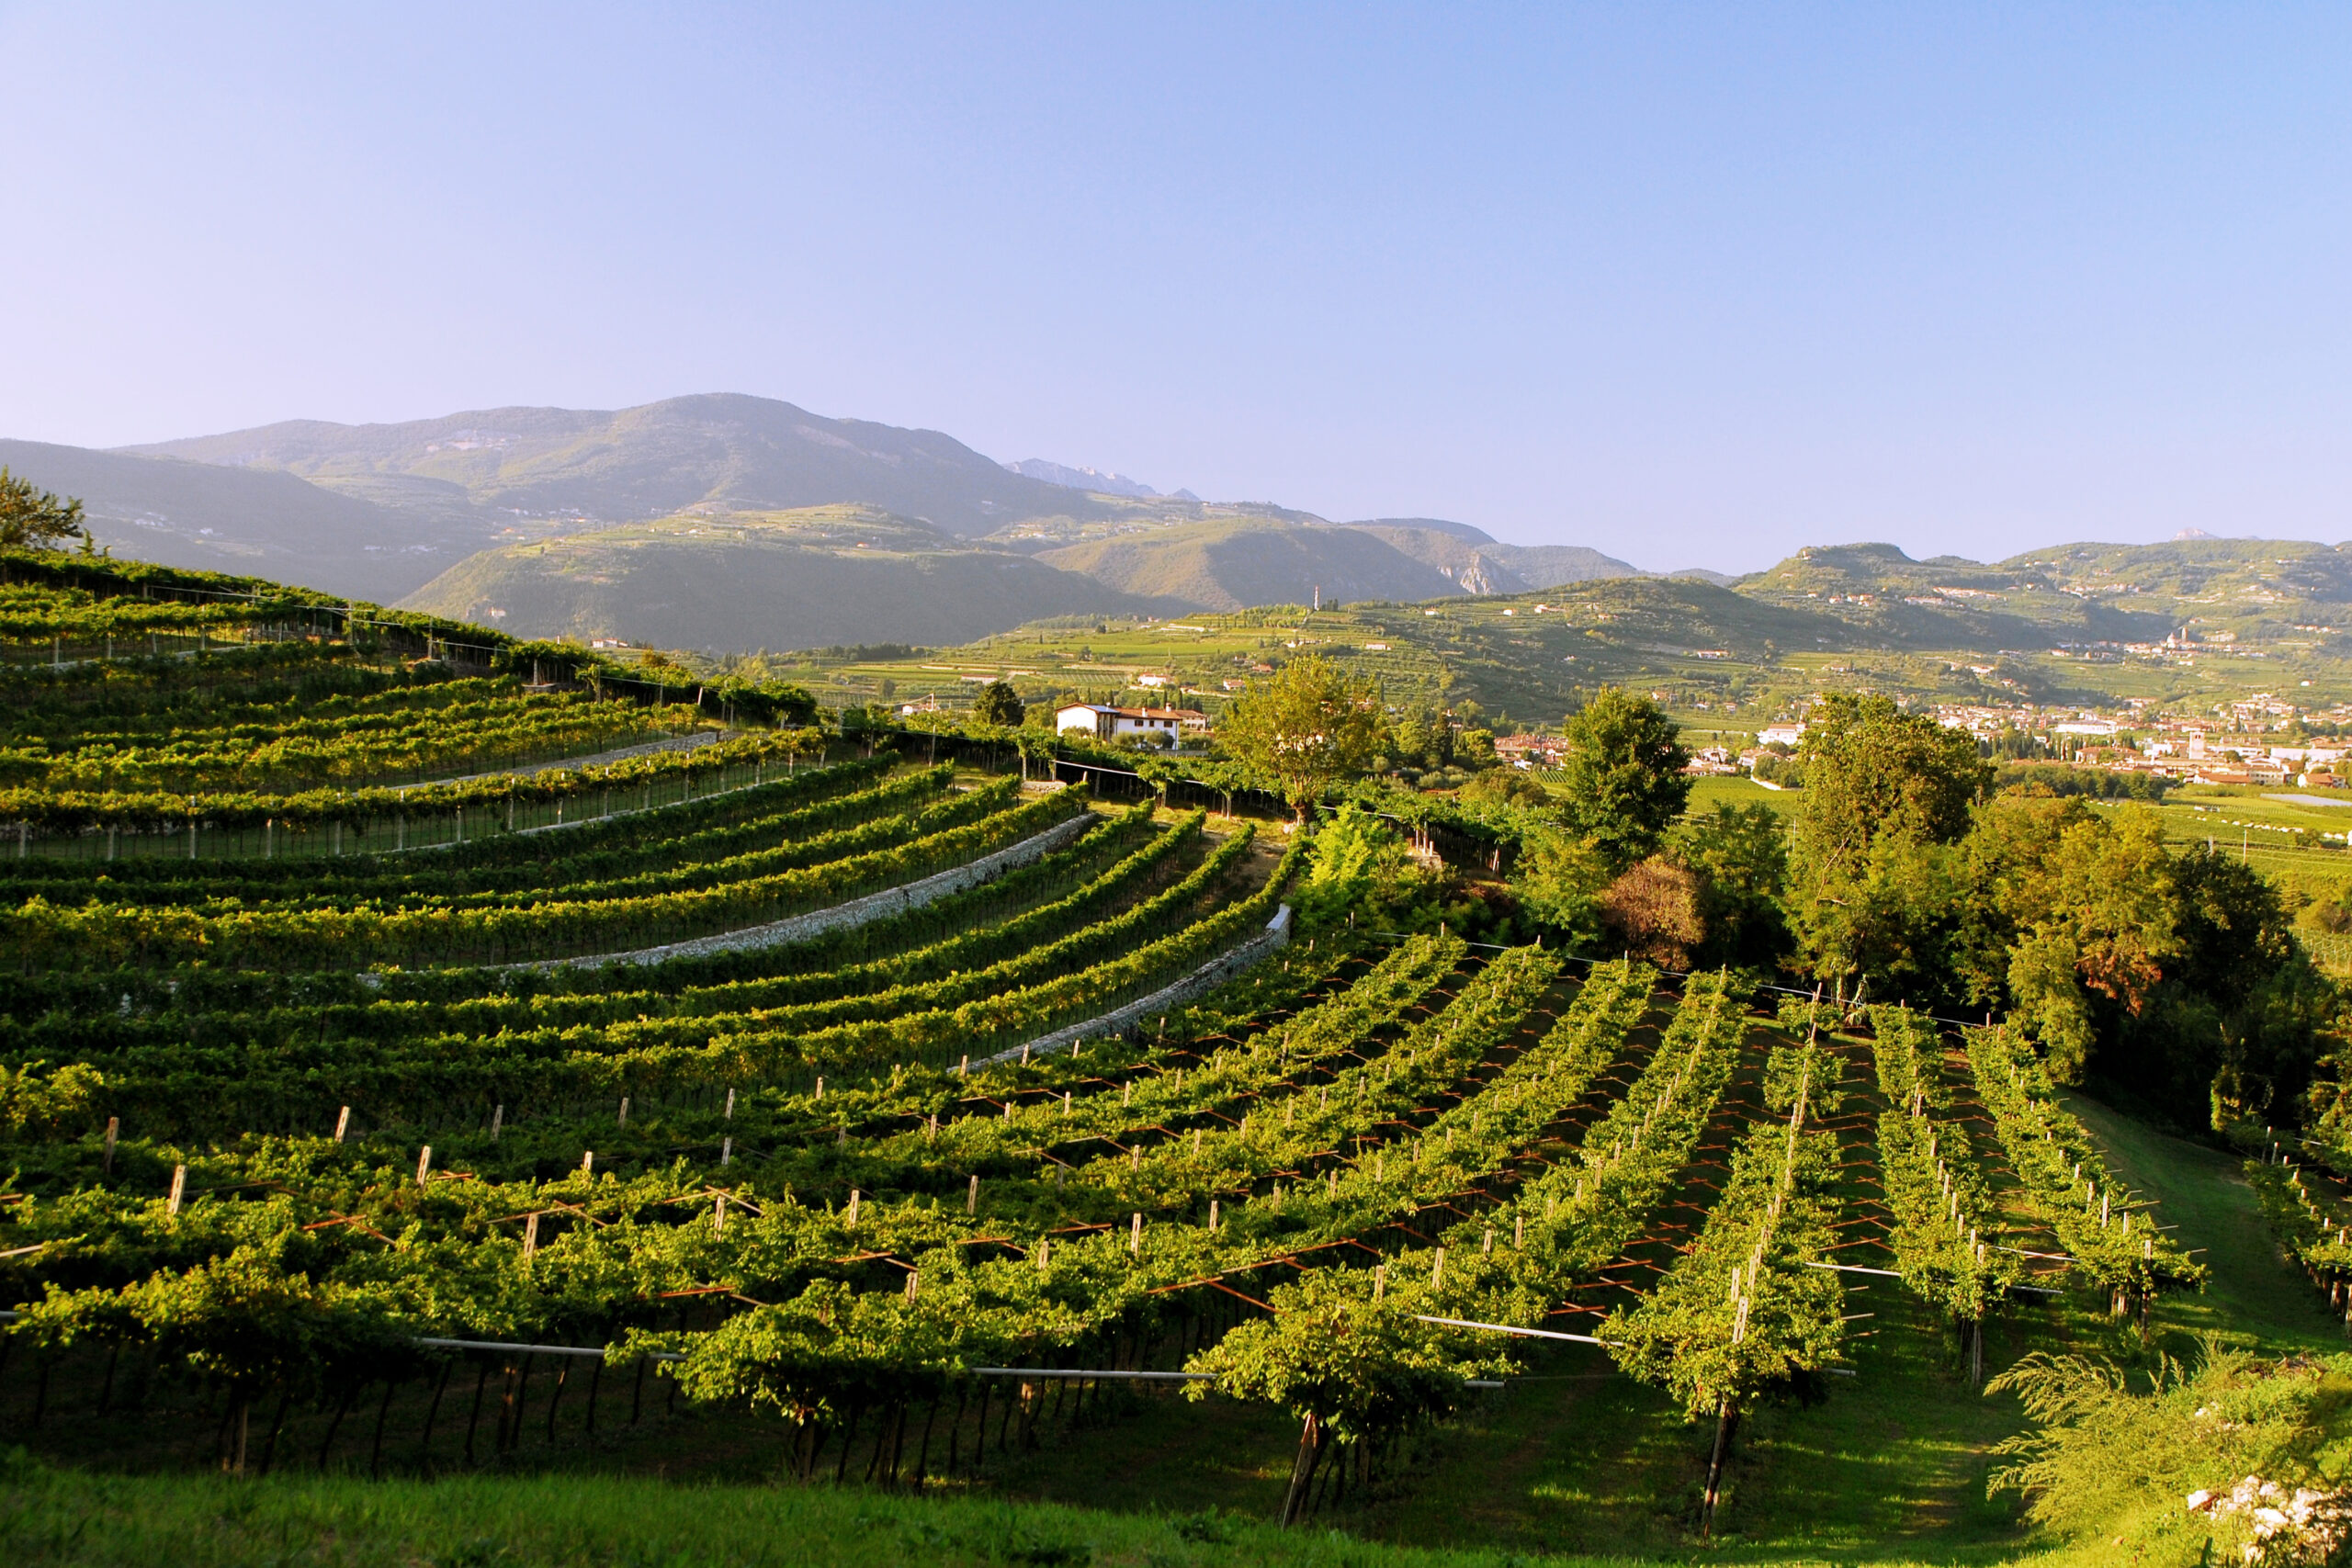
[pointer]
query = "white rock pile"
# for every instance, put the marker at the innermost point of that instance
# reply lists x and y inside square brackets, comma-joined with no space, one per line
[2299,1527]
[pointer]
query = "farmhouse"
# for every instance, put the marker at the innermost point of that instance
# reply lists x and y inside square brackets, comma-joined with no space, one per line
[1110,723]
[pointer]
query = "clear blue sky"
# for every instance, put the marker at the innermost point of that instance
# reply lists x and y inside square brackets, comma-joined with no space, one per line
[1696,284]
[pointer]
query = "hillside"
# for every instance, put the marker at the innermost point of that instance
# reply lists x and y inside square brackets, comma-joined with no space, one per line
[1719,658]
[720,449]
[1483,565]
[943,1103]
[252,520]
[1226,563]
[2273,590]
[378,510]
[1725,660]
[739,581]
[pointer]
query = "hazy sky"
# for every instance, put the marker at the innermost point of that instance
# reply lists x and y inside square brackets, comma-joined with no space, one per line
[1695,285]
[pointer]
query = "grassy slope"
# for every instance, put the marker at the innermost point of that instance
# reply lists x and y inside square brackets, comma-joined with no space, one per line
[200,1522]
[1226,563]
[2254,1296]
[773,579]
[1530,663]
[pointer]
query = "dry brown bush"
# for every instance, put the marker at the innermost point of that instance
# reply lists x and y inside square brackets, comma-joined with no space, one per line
[1652,910]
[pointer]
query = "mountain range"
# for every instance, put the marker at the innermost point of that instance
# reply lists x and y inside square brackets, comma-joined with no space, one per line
[462,514]
[728,522]
[1091,479]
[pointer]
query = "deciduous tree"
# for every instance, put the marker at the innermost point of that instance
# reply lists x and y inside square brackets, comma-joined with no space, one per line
[1304,729]
[1870,886]
[35,519]
[1624,783]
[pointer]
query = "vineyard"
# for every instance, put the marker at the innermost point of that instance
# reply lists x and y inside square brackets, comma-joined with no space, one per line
[908,1120]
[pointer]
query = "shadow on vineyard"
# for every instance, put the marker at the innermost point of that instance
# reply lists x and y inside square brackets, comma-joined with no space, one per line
[767,1145]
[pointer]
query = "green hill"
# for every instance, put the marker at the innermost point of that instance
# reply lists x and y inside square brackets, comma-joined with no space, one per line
[1226,563]
[741,581]
[2087,593]
[1731,659]
[724,449]
[452,1119]
[212,518]
[378,510]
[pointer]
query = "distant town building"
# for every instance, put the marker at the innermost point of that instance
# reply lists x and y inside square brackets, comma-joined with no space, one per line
[1531,750]
[1109,723]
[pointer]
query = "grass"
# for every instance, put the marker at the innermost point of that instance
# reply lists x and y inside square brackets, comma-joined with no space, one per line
[2254,1297]
[63,1517]
[1707,793]
[54,1516]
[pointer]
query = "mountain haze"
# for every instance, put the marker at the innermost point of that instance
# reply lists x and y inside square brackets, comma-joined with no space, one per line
[557,520]
[742,581]
[720,449]
[1226,563]
[1091,479]
[1476,563]
[257,521]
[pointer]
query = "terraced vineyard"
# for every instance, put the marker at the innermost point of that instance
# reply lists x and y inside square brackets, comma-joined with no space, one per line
[852,1095]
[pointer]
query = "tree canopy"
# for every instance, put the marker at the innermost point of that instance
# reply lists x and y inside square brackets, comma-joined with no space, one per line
[1870,892]
[1869,768]
[1624,779]
[999,704]
[1309,726]
[35,519]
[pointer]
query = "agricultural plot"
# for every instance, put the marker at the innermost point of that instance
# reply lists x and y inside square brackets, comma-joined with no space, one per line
[446,1149]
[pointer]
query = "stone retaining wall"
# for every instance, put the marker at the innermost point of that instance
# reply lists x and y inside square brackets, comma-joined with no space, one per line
[1128,1020]
[856,912]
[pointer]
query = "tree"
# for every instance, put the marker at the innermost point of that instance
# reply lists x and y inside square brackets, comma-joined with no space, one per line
[1506,788]
[1422,740]
[1000,705]
[1308,727]
[1356,860]
[1624,779]
[1869,768]
[1742,857]
[33,519]
[2065,907]
[2243,1017]
[1652,911]
[1558,879]
[1888,923]
[1873,885]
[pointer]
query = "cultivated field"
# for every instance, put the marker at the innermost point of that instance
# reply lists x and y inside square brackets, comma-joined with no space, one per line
[766,1112]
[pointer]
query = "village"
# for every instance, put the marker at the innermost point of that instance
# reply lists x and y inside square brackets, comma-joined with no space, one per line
[2261,739]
